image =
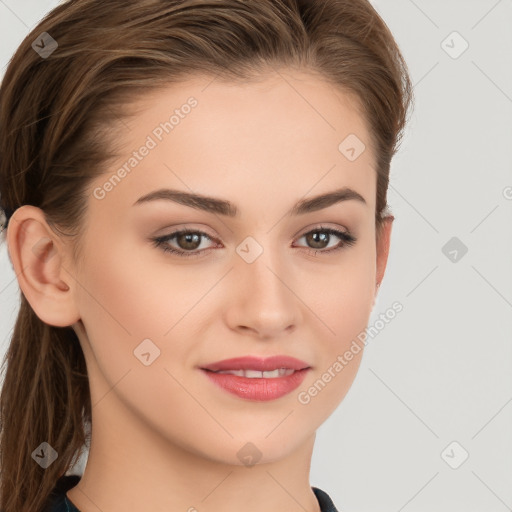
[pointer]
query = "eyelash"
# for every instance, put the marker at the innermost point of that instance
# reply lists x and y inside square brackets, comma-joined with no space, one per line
[161,242]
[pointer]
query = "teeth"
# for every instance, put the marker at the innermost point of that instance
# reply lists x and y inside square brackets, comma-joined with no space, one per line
[255,374]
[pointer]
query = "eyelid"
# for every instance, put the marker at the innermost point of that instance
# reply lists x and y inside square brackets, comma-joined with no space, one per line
[321,226]
[176,228]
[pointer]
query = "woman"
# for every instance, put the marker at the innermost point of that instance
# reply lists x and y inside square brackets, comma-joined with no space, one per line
[196,202]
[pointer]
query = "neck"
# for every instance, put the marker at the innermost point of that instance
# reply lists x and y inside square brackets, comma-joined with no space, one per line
[133,467]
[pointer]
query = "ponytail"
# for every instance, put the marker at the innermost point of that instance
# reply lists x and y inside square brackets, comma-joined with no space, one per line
[44,403]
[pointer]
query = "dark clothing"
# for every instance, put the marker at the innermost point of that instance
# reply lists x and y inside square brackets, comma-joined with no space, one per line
[60,503]
[326,504]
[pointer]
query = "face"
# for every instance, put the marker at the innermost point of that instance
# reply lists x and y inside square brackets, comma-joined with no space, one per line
[266,281]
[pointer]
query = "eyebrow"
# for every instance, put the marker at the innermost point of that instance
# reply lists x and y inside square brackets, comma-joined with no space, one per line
[224,207]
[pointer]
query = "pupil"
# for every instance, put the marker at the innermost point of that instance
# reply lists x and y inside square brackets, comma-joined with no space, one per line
[190,238]
[315,236]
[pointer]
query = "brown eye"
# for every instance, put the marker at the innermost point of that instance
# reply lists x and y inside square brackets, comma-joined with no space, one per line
[187,241]
[319,238]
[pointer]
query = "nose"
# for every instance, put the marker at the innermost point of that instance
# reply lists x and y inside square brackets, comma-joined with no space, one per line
[263,301]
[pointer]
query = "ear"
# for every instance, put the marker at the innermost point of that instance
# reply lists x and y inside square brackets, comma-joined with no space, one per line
[382,243]
[37,255]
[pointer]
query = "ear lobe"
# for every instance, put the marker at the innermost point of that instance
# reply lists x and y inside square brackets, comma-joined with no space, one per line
[37,255]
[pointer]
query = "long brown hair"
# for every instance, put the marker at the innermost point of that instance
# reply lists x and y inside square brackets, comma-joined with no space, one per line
[61,114]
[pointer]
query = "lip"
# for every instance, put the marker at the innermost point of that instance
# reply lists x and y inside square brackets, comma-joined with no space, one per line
[257,389]
[257,363]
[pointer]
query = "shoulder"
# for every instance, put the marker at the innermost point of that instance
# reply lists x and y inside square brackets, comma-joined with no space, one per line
[57,499]
[326,504]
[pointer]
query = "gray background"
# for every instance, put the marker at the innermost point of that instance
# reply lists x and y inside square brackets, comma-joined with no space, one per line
[435,384]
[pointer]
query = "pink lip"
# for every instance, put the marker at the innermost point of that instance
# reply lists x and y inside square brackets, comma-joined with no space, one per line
[258,389]
[257,363]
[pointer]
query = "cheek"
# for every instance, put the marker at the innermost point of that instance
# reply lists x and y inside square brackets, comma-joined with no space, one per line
[341,301]
[120,307]
[341,293]
[127,308]
[131,293]
[137,310]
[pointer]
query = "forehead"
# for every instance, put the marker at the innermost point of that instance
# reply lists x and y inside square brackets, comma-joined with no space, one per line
[293,104]
[282,135]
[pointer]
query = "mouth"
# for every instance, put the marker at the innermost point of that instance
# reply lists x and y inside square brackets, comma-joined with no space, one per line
[253,378]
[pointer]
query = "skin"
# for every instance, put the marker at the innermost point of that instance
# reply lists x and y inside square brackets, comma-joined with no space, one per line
[164,437]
